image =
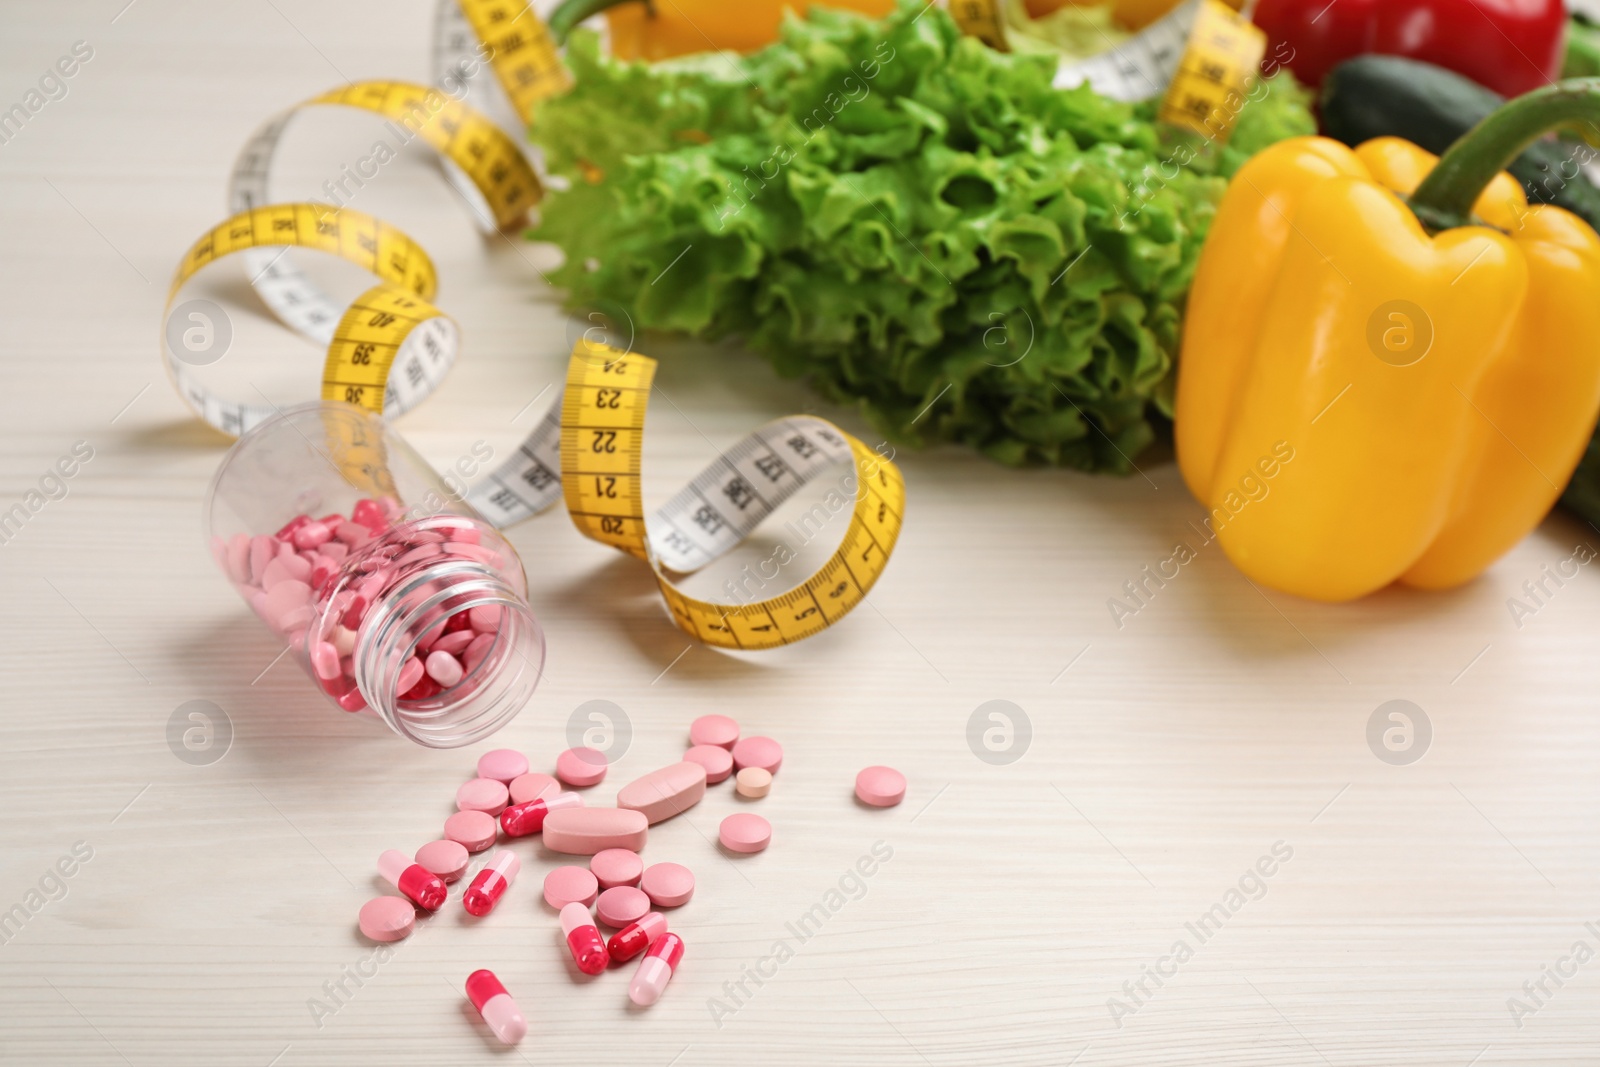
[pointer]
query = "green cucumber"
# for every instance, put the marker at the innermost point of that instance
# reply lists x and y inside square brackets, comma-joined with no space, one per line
[1387,96]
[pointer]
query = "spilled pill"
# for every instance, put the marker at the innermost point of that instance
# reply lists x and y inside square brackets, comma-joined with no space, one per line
[387,918]
[761,752]
[668,885]
[482,794]
[504,1019]
[501,764]
[585,831]
[532,786]
[881,787]
[664,793]
[716,730]
[447,859]
[614,867]
[473,830]
[744,832]
[581,766]
[566,885]
[621,905]
[753,782]
[717,761]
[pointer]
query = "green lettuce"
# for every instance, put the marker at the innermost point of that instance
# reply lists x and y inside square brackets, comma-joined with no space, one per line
[919,226]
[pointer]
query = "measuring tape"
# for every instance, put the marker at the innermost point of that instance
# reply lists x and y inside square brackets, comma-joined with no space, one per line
[391,347]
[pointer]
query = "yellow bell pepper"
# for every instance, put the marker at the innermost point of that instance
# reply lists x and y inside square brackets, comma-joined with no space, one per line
[661,29]
[1390,362]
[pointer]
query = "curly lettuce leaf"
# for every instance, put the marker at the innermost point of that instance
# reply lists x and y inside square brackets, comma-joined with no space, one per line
[919,226]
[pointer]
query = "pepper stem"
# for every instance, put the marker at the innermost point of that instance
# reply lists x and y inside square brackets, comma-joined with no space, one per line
[569,13]
[1444,199]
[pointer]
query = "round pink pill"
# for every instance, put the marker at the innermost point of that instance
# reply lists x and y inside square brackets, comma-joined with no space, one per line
[387,918]
[668,884]
[482,794]
[569,885]
[614,867]
[532,786]
[881,787]
[621,905]
[473,830]
[761,752]
[447,859]
[502,764]
[716,730]
[744,832]
[581,766]
[717,761]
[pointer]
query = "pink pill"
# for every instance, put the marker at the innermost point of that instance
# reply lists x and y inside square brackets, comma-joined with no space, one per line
[239,558]
[716,730]
[325,661]
[312,534]
[263,550]
[613,867]
[531,786]
[474,830]
[411,672]
[881,787]
[668,885]
[717,761]
[444,668]
[569,885]
[387,918]
[277,572]
[447,859]
[581,766]
[482,794]
[454,643]
[476,651]
[744,832]
[298,566]
[503,765]
[621,905]
[761,752]
[485,620]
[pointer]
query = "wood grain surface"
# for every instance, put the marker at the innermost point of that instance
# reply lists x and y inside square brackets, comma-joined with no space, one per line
[1182,850]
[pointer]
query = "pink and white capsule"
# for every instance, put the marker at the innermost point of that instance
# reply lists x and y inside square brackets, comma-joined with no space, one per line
[505,1019]
[588,948]
[655,970]
[421,886]
[491,883]
[634,938]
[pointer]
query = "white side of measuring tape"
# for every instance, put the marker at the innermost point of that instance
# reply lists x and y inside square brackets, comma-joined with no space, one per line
[1142,66]
[714,512]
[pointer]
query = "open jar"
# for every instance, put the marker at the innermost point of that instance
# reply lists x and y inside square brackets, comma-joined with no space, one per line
[393,594]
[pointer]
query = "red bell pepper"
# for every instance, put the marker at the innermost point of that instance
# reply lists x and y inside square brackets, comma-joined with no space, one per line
[1510,46]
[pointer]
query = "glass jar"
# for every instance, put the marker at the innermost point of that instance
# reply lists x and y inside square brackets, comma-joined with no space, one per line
[393,594]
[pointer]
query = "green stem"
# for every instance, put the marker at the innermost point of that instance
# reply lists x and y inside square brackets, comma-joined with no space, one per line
[1444,199]
[568,14]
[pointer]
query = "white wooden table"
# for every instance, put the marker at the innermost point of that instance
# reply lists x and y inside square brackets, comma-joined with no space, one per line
[1021,904]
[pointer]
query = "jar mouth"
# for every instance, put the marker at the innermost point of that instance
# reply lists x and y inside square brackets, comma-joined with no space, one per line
[490,695]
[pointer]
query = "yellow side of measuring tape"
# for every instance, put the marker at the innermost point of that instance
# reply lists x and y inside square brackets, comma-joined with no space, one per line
[1218,66]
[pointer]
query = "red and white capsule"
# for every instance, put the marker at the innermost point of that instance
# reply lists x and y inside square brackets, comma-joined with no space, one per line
[588,948]
[634,938]
[655,970]
[505,1019]
[491,883]
[520,820]
[421,886]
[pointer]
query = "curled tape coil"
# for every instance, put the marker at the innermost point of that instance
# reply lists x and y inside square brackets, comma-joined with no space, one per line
[391,347]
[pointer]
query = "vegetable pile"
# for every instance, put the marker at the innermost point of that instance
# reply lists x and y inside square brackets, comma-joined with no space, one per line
[915,223]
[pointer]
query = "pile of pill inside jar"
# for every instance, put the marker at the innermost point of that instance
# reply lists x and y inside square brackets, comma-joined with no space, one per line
[507,800]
